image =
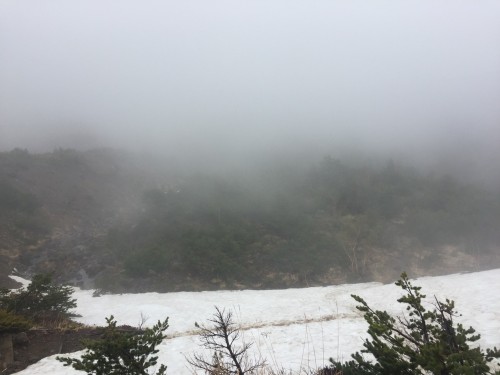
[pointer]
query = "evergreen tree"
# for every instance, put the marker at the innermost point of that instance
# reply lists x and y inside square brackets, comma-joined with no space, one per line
[41,298]
[421,342]
[121,353]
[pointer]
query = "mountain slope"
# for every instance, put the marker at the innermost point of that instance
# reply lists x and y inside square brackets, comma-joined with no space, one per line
[125,222]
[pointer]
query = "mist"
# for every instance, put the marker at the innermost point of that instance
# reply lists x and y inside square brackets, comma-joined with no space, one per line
[232,83]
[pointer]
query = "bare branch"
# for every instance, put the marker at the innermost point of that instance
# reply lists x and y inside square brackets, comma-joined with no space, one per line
[222,339]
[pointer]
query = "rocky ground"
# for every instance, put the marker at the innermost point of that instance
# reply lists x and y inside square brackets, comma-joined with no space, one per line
[31,346]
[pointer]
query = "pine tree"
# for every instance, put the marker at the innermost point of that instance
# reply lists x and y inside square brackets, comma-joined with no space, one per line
[121,353]
[41,298]
[421,342]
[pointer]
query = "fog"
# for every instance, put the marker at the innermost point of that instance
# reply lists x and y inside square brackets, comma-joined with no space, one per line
[233,81]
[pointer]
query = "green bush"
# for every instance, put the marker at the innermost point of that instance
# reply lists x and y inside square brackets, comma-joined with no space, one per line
[121,353]
[155,259]
[40,299]
[11,323]
[12,199]
[421,342]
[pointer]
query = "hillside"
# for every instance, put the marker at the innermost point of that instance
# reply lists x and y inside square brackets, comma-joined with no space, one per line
[57,207]
[125,222]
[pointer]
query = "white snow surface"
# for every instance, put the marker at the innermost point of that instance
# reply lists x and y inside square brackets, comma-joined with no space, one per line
[295,329]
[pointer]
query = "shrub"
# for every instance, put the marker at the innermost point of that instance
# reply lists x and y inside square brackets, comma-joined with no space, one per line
[422,342]
[11,323]
[41,298]
[12,200]
[121,353]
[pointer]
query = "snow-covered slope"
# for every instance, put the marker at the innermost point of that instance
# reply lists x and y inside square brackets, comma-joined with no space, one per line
[293,328]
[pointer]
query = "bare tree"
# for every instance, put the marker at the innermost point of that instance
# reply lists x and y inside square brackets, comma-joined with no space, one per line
[230,356]
[352,238]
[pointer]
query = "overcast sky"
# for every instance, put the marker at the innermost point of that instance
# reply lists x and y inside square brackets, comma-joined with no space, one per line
[238,78]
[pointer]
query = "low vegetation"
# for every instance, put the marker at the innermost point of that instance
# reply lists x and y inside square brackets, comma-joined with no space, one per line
[20,215]
[421,342]
[122,353]
[42,304]
[301,228]
[40,301]
[287,224]
[12,323]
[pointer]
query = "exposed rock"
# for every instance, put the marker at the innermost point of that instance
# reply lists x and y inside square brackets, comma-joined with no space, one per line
[33,345]
[6,351]
[21,338]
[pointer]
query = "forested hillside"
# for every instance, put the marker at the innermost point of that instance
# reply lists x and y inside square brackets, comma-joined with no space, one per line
[141,228]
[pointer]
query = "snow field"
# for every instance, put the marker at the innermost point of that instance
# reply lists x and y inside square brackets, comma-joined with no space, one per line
[295,329]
